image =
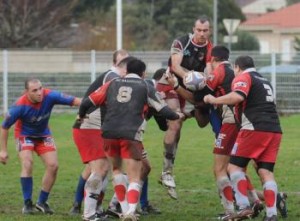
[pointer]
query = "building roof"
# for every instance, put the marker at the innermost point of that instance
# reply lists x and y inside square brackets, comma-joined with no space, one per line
[284,18]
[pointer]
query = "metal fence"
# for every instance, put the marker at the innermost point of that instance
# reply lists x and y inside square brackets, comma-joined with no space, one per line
[72,72]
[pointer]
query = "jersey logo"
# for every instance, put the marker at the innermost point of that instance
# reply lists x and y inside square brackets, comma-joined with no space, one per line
[187,53]
[240,84]
[234,149]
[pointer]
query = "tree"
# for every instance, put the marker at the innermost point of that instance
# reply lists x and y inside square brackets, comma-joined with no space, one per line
[246,42]
[38,23]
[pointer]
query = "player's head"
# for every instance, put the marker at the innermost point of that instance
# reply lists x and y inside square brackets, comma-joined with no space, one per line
[122,65]
[158,74]
[220,53]
[201,30]
[136,66]
[34,89]
[118,55]
[242,63]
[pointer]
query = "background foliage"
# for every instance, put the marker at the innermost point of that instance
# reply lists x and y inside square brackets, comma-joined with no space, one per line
[89,24]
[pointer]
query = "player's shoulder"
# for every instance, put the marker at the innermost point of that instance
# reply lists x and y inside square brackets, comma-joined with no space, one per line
[23,100]
[110,75]
[184,39]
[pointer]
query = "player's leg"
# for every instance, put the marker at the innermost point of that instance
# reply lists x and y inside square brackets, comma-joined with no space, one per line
[93,187]
[171,140]
[281,197]
[223,182]
[238,179]
[146,207]
[224,142]
[256,204]
[131,153]
[26,180]
[133,169]
[270,143]
[51,167]
[79,194]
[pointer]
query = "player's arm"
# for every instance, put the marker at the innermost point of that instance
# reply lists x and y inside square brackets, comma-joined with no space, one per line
[3,145]
[172,80]
[86,103]
[208,68]
[155,101]
[230,99]
[96,98]
[176,59]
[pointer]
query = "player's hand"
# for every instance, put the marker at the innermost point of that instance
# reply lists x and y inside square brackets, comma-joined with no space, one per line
[80,119]
[181,116]
[209,99]
[171,78]
[3,157]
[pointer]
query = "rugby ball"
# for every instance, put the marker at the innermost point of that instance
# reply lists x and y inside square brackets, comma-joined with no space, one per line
[194,81]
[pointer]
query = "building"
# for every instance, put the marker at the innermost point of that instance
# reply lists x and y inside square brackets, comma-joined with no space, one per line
[276,31]
[254,8]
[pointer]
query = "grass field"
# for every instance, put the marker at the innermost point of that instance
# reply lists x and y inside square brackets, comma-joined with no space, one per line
[196,189]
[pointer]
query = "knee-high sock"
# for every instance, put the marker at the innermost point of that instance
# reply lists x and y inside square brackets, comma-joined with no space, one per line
[120,187]
[79,195]
[26,184]
[239,184]
[270,193]
[169,157]
[226,193]
[144,194]
[99,208]
[92,190]
[252,195]
[133,194]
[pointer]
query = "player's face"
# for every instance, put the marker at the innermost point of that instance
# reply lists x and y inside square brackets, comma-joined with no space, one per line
[35,91]
[201,32]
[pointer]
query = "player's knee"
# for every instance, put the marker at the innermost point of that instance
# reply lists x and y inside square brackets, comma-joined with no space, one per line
[174,126]
[93,183]
[27,163]
[53,167]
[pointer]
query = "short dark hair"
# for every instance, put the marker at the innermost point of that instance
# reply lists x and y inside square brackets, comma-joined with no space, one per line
[221,53]
[136,66]
[125,61]
[30,79]
[158,74]
[244,62]
[202,19]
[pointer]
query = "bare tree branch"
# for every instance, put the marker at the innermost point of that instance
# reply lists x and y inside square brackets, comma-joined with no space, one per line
[24,23]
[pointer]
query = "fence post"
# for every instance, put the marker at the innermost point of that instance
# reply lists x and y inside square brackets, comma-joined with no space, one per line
[93,65]
[273,73]
[5,75]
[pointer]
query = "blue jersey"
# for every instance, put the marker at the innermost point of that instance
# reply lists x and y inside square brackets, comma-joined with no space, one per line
[32,118]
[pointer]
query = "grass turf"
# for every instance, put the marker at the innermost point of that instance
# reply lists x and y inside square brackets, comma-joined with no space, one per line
[197,195]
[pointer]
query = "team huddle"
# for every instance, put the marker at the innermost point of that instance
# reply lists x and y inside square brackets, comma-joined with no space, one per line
[236,101]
